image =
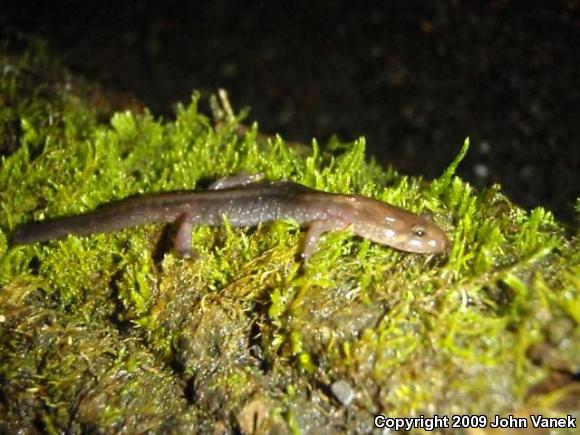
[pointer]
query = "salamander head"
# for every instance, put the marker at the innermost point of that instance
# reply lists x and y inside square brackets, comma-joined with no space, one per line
[391,226]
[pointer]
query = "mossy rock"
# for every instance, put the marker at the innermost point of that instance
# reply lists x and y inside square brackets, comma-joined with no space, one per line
[113,332]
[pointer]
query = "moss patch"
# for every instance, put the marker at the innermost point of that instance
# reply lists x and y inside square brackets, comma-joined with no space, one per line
[109,333]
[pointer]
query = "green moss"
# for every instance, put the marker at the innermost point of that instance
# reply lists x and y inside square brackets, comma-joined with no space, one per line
[113,332]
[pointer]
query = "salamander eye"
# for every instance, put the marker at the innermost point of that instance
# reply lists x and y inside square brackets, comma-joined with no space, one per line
[419,231]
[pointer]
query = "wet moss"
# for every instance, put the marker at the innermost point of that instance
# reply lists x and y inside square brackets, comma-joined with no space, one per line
[112,332]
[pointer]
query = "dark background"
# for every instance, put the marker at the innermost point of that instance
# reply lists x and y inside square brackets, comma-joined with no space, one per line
[414,77]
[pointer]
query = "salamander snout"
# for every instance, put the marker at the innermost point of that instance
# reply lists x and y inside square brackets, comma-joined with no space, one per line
[392,226]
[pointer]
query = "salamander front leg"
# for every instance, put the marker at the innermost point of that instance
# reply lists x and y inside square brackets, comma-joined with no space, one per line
[238,180]
[316,229]
[182,243]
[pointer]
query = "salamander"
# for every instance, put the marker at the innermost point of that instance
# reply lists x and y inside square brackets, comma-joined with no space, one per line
[246,202]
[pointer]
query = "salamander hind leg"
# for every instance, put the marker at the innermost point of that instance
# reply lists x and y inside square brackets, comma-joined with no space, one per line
[182,243]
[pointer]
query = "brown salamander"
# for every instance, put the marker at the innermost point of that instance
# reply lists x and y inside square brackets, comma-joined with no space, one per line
[247,203]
